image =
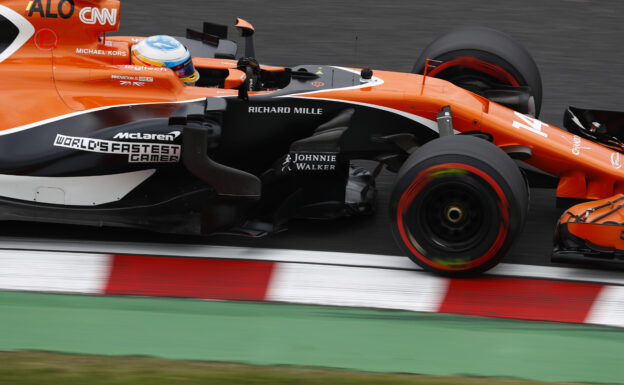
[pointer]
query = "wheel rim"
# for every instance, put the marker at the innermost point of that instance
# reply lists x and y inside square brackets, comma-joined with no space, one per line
[480,230]
[453,216]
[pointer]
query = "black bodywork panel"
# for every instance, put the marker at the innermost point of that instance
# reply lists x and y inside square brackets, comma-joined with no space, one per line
[8,33]
[220,162]
[600,126]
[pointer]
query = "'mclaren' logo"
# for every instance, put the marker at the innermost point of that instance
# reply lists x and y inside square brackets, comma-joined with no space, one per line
[147,136]
[92,15]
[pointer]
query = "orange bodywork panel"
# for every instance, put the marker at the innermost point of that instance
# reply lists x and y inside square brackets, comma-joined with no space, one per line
[244,24]
[587,170]
[604,236]
[67,65]
[599,224]
[234,79]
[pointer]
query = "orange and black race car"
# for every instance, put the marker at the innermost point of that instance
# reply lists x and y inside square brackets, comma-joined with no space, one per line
[87,137]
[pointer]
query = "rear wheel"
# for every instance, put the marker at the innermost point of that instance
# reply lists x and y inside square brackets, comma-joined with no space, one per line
[457,206]
[489,63]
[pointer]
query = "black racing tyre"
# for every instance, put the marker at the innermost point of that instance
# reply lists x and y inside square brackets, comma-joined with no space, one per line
[476,56]
[457,206]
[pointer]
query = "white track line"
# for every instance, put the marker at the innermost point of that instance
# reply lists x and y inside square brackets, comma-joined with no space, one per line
[298,256]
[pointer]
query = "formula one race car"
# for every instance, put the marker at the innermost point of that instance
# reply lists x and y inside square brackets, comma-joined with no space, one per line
[88,138]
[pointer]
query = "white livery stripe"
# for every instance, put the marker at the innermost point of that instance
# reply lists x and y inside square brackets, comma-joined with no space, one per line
[375,81]
[54,272]
[78,113]
[75,190]
[432,125]
[360,287]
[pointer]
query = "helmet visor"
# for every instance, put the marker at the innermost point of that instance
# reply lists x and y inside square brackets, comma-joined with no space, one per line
[185,69]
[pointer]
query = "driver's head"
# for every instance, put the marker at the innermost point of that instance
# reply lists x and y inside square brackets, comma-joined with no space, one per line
[165,51]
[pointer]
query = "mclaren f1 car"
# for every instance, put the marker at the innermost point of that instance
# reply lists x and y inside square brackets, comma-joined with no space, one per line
[88,138]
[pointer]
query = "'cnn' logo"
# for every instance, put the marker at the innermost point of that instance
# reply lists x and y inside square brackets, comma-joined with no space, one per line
[102,16]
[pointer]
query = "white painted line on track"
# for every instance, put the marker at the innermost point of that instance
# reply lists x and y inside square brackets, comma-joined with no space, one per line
[298,256]
[558,273]
[209,251]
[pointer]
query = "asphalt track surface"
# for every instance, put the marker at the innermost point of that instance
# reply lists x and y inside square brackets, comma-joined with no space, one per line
[576,44]
[265,334]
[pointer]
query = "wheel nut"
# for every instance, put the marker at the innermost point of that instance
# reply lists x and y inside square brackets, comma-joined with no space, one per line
[454,214]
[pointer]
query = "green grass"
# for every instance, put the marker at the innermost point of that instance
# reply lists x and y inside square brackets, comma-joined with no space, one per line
[42,368]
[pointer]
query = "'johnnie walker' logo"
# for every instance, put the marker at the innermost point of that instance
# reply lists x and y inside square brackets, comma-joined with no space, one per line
[310,162]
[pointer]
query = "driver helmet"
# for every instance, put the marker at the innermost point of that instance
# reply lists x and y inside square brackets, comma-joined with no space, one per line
[165,51]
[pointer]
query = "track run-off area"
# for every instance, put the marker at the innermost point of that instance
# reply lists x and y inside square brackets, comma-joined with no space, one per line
[253,305]
[270,334]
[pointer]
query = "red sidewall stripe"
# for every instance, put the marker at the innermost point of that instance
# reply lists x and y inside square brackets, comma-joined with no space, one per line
[419,182]
[189,277]
[490,69]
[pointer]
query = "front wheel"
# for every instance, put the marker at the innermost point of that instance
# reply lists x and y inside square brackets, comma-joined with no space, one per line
[457,206]
[489,63]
